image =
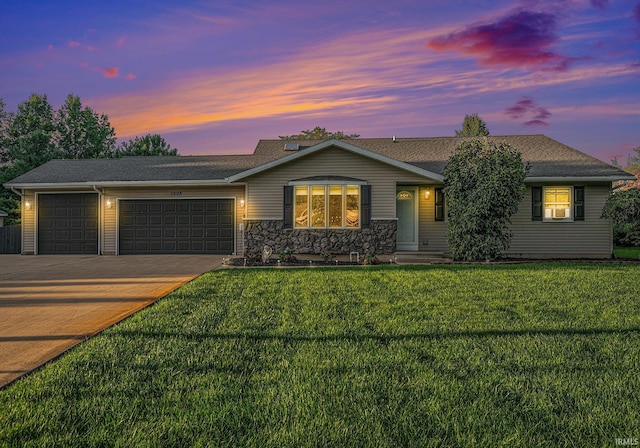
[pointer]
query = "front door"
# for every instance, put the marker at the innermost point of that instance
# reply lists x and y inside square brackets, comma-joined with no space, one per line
[407,214]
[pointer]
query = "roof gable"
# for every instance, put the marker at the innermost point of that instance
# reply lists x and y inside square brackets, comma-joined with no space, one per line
[341,144]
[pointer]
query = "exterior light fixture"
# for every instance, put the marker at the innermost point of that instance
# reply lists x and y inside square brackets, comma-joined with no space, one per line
[427,193]
[242,202]
[109,204]
[27,205]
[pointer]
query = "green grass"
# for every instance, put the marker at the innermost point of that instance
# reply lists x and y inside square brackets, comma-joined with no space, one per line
[522,355]
[627,252]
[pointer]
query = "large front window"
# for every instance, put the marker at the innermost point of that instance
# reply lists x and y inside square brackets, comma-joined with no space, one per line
[327,206]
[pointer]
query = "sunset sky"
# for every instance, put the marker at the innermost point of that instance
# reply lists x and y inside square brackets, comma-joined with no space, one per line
[214,77]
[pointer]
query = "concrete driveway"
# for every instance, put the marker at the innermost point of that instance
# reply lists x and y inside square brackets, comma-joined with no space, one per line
[51,303]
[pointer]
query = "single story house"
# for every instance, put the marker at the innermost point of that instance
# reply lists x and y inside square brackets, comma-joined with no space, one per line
[3,215]
[378,195]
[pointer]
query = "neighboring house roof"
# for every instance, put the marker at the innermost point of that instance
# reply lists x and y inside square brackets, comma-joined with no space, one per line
[549,160]
[3,214]
[627,185]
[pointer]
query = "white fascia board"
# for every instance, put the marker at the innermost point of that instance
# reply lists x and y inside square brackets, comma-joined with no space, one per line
[107,184]
[342,145]
[531,180]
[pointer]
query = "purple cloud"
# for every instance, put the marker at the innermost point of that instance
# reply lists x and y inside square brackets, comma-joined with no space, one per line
[599,4]
[521,39]
[636,13]
[536,123]
[525,107]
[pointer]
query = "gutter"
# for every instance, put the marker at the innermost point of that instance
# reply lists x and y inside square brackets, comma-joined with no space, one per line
[134,183]
[579,179]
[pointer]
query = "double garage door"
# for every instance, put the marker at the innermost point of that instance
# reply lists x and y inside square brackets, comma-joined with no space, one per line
[176,226]
[68,224]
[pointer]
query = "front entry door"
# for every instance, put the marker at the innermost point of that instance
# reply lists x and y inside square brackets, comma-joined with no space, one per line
[407,214]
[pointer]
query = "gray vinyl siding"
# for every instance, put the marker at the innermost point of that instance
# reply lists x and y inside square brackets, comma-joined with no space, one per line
[590,238]
[265,190]
[110,215]
[29,223]
[432,233]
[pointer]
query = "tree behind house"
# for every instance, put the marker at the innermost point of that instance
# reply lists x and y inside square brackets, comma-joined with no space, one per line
[473,126]
[149,145]
[35,134]
[319,133]
[623,206]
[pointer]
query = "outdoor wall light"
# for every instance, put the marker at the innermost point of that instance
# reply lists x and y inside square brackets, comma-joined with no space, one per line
[108,203]
[241,202]
[427,193]
[27,205]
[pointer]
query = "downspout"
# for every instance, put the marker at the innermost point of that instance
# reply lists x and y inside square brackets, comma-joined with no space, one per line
[100,220]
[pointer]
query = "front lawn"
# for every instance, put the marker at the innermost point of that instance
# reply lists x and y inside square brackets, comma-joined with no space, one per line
[542,354]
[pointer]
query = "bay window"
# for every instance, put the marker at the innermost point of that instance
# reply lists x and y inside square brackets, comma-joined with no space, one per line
[327,206]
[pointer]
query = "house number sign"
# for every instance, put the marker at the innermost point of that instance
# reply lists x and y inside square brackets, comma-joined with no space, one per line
[176,193]
[402,195]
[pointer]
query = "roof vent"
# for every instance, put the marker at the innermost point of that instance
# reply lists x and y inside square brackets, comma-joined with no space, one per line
[291,146]
[394,139]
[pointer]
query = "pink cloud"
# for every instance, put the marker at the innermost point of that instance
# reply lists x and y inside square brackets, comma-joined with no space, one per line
[111,72]
[524,107]
[130,76]
[521,39]
[75,44]
[121,41]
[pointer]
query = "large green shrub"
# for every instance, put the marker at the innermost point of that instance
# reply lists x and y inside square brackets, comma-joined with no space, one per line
[484,185]
[623,208]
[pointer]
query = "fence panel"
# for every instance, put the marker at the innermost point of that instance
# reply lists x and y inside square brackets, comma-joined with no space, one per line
[10,237]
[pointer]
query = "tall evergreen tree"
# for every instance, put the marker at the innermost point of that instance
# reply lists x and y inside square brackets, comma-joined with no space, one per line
[82,133]
[473,126]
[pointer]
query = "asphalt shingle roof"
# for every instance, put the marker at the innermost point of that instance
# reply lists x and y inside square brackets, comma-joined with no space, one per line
[547,157]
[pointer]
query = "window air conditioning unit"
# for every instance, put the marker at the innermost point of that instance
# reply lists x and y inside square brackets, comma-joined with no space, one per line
[557,213]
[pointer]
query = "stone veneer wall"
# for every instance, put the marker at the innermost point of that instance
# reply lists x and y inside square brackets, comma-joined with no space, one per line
[380,238]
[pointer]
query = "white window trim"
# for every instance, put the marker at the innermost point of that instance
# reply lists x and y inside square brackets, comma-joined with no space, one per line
[327,186]
[545,218]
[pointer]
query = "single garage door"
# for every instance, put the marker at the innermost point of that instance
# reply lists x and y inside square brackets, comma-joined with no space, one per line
[68,223]
[176,226]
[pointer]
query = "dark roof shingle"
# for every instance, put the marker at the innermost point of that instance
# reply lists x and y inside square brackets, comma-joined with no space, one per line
[547,157]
